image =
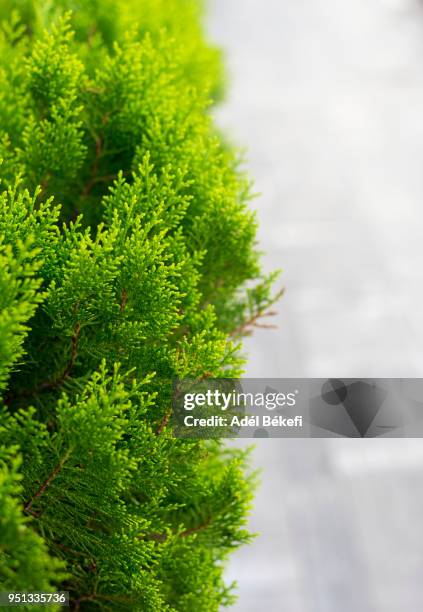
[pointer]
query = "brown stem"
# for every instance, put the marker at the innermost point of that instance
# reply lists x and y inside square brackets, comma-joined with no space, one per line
[94,171]
[47,482]
[245,327]
[57,382]
[74,353]
[68,550]
[193,530]
[91,33]
[50,385]
[44,184]
[94,597]
[164,421]
[101,179]
[162,537]
[123,300]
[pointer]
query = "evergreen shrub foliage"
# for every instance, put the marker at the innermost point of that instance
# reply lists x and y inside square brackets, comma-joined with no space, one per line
[127,259]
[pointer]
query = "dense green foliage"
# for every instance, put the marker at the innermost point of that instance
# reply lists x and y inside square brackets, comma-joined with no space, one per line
[127,260]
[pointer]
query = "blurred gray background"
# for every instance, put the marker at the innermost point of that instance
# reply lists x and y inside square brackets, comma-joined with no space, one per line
[327,97]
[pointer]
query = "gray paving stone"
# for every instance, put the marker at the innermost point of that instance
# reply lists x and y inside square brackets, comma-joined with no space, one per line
[327,95]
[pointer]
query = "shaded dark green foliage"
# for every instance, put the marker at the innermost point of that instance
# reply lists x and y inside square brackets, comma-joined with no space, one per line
[127,260]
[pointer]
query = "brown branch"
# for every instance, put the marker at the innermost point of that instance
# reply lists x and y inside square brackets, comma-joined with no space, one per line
[47,482]
[43,185]
[74,352]
[123,300]
[50,385]
[107,178]
[265,325]
[162,537]
[193,530]
[94,170]
[156,537]
[253,322]
[94,90]
[96,597]
[53,384]
[94,178]
[68,550]
[165,419]
[91,33]
[45,181]
[245,328]
[163,422]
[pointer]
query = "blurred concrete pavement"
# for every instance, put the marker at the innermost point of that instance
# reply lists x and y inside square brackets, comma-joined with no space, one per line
[327,97]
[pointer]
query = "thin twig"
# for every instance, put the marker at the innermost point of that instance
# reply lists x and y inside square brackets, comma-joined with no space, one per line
[94,171]
[193,530]
[162,537]
[165,419]
[50,385]
[94,597]
[91,33]
[44,184]
[123,300]
[48,481]
[163,422]
[246,327]
[68,550]
[53,384]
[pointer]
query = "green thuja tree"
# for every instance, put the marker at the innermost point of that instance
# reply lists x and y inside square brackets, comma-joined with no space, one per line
[127,260]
